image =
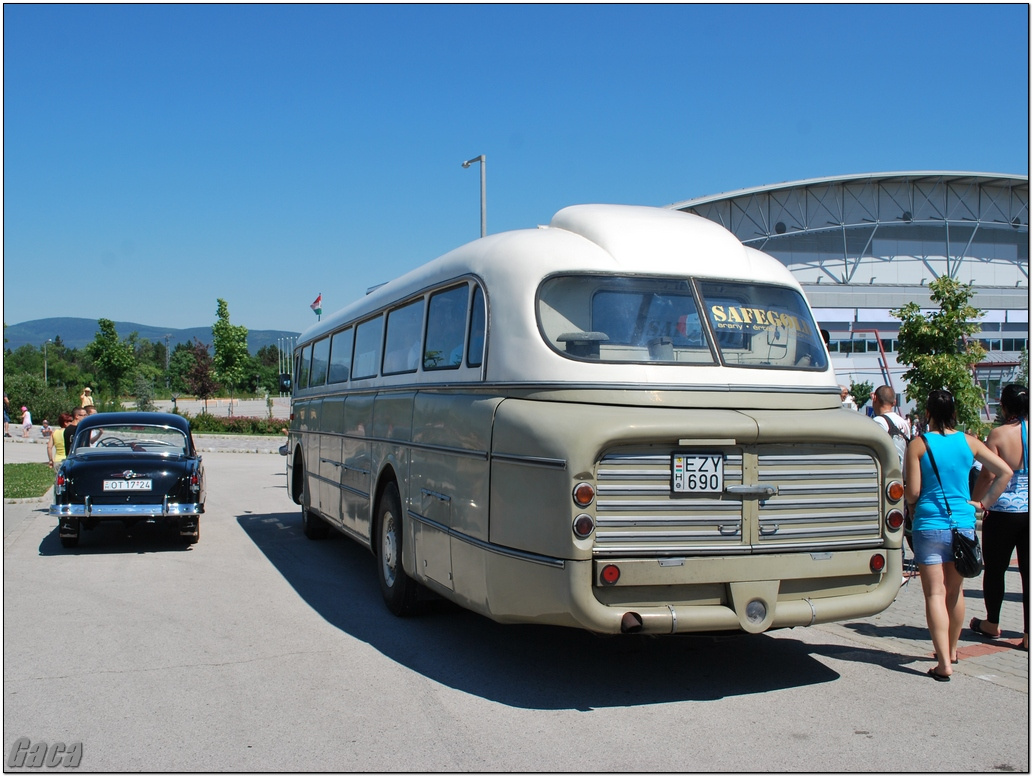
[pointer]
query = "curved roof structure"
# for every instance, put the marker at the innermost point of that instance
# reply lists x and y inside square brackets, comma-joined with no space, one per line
[886,229]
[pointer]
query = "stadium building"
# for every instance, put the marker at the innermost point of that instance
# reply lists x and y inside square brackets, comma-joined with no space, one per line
[862,245]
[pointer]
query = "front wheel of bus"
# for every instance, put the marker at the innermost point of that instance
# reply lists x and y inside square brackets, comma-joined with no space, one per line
[398,588]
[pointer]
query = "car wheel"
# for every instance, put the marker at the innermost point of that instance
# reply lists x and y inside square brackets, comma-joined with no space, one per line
[398,588]
[315,527]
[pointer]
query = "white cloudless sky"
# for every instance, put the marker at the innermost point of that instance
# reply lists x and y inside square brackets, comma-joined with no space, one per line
[158,157]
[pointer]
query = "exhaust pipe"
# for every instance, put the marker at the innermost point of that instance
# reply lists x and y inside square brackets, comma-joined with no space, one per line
[631,622]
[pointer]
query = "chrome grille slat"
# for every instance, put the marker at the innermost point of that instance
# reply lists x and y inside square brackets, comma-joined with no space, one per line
[827,498]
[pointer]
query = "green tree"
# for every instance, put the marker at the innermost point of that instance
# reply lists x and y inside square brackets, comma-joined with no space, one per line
[938,349]
[232,360]
[114,358]
[861,392]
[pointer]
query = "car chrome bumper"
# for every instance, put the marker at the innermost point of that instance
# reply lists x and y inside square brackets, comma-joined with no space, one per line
[166,509]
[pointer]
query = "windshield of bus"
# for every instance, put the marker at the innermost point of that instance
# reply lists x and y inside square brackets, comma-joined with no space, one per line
[659,320]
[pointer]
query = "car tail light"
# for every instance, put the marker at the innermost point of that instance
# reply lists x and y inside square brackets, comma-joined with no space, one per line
[895,491]
[894,519]
[195,482]
[877,563]
[584,493]
[59,484]
[583,526]
[611,574]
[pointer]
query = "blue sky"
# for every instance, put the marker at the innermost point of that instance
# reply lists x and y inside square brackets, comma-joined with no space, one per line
[158,157]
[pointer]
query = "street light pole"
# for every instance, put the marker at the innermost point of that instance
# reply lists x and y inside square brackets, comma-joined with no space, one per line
[484,206]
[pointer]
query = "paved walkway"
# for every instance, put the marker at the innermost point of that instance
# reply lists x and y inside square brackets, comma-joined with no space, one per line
[901,628]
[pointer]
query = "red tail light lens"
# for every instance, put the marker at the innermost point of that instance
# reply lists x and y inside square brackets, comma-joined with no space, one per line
[878,562]
[583,526]
[610,574]
[894,519]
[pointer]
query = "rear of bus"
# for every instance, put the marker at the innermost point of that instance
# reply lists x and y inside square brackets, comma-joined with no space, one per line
[671,453]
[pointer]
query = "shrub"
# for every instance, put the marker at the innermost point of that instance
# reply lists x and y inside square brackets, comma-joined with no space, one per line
[207,423]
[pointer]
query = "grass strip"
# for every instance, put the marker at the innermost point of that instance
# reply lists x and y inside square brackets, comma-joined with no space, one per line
[27,481]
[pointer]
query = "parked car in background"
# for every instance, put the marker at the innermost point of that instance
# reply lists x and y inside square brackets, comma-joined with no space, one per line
[130,467]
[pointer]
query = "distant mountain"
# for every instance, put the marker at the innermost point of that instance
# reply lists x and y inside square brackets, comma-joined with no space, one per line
[77,332]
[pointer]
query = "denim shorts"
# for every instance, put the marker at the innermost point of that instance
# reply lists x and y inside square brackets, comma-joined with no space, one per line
[933,546]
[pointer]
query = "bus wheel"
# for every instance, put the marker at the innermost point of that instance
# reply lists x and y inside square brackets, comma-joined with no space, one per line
[315,527]
[398,588]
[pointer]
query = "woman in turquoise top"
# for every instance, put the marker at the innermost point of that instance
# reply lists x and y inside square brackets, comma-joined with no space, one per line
[938,504]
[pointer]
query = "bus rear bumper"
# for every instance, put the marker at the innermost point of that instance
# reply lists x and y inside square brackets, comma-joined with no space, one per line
[754,602]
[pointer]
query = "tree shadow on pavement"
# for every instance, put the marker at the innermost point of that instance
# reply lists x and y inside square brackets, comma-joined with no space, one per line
[529,666]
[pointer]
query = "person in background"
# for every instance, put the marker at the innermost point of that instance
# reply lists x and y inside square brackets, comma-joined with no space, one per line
[86,398]
[78,414]
[846,399]
[7,416]
[44,429]
[56,442]
[26,421]
[90,409]
[1006,524]
[899,430]
[939,500]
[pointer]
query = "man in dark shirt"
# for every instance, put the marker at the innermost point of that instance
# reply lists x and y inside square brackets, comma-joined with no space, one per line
[77,415]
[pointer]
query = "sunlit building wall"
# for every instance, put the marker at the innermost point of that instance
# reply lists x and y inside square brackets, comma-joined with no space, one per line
[862,245]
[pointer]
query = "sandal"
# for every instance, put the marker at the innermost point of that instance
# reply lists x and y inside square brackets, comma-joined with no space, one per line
[977,626]
[940,678]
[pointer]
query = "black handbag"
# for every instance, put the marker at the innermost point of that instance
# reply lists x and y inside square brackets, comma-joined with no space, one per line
[968,556]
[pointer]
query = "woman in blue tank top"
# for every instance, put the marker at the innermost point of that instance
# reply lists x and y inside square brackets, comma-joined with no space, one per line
[939,504]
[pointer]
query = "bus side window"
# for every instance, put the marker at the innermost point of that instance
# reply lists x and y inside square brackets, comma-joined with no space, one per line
[367,348]
[320,361]
[340,356]
[446,322]
[478,318]
[402,342]
[303,367]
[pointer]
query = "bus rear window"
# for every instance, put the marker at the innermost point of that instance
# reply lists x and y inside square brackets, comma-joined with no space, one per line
[756,325]
[623,320]
[661,320]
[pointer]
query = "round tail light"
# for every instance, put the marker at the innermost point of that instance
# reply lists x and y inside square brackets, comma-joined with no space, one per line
[611,574]
[895,491]
[583,526]
[878,562]
[894,519]
[584,493]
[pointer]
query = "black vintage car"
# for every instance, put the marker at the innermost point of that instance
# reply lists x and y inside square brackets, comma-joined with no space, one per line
[130,467]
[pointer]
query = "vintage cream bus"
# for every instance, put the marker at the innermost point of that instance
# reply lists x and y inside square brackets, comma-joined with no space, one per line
[625,421]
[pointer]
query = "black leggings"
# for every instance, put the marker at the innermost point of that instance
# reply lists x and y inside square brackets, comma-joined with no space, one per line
[1002,534]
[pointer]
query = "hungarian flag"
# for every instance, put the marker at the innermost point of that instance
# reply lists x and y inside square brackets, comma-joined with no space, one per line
[317,306]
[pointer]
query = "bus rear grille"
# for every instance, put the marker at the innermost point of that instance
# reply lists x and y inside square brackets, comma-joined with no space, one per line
[826,499]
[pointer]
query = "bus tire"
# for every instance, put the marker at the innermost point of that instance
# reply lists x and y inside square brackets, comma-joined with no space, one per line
[315,527]
[398,589]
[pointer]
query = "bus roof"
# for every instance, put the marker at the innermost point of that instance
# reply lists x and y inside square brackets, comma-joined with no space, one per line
[610,239]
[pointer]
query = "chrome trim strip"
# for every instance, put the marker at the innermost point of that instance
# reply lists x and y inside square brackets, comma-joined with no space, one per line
[531,461]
